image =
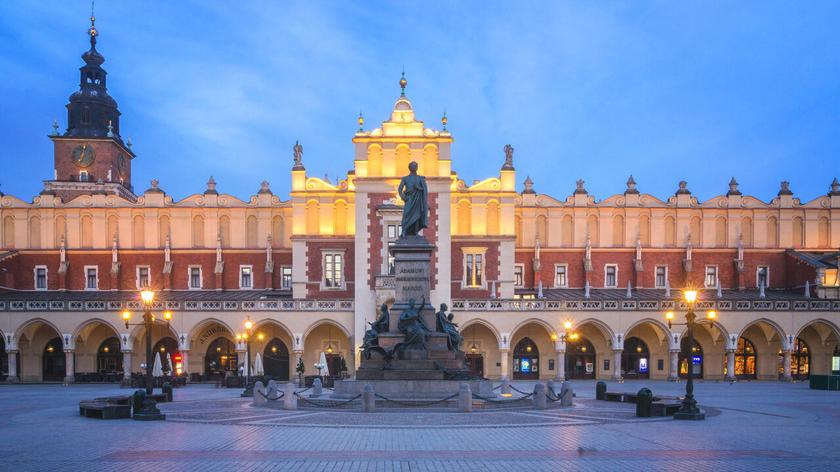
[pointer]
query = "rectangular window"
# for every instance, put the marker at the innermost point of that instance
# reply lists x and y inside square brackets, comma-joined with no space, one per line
[246,277]
[711,278]
[40,277]
[611,275]
[661,276]
[474,270]
[286,278]
[333,270]
[393,233]
[195,277]
[560,275]
[91,278]
[143,279]
[519,275]
[762,276]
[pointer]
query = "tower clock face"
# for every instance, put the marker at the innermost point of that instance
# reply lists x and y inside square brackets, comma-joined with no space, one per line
[83,155]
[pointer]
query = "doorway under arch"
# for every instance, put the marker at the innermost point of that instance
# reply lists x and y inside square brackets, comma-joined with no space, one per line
[800,360]
[53,367]
[696,356]
[221,358]
[635,359]
[580,359]
[745,359]
[526,360]
[109,356]
[276,359]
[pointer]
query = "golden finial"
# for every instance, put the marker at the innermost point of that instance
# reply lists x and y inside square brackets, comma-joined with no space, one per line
[92,30]
[443,121]
[403,83]
[361,121]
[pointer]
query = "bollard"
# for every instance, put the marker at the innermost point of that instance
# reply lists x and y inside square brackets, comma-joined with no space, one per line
[465,398]
[271,389]
[566,394]
[368,399]
[644,401]
[167,390]
[317,388]
[259,394]
[549,388]
[506,390]
[539,396]
[137,400]
[600,390]
[289,399]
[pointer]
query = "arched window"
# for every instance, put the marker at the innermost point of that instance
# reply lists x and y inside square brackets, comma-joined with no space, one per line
[592,230]
[635,359]
[567,229]
[696,355]
[139,238]
[542,230]
[313,219]
[403,154]
[35,232]
[163,230]
[374,160]
[492,217]
[430,160]
[464,217]
[113,228]
[526,360]
[60,230]
[109,357]
[198,231]
[745,359]
[798,232]
[720,231]
[277,235]
[644,230]
[747,231]
[822,232]
[251,231]
[340,217]
[772,232]
[695,229]
[580,359]
[800,360]
[670,231]
[224,230]
[618,231]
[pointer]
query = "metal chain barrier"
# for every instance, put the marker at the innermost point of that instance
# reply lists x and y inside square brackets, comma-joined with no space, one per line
[328,405]
[514,402]
[269,398]
[427,403]
[520,391]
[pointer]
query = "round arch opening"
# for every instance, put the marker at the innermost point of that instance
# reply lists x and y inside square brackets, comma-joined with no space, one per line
[221,359]
[276,359]
[745,359]
[526,360]
[580,359]
[635,359]
[53,363]
[695,354]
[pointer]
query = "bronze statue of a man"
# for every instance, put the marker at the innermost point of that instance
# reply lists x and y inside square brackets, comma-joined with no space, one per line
[414,192]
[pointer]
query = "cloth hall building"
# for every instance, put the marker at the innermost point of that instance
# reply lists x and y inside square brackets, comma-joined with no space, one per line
[541,286]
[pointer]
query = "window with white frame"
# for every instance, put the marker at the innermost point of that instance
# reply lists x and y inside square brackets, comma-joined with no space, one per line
[474,267]
[333,269]
[762,276]
[519,275]
[661,276]
[246,277]
[392,234]
[194,274]
[40,277]
[91,278]
[711,278]
[84,176]
[143,278]
[561,275]
[286,278]
[611,275]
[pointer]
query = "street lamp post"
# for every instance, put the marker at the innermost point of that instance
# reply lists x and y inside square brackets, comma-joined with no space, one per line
[689,409]
[149,410]
[249,388]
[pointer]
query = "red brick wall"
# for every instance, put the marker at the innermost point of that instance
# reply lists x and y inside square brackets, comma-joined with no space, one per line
[491,267]
[796,272]
[431,233]
[107,153]
[375,235]
[314,272]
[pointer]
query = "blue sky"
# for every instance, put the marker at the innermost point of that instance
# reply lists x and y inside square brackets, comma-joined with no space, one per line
[700,91]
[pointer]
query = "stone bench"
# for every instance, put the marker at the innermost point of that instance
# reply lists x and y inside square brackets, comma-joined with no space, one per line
[664,407]
[624,397]
[118,400]
[104,410]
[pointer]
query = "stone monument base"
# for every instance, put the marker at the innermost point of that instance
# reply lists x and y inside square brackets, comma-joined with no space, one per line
[412,389]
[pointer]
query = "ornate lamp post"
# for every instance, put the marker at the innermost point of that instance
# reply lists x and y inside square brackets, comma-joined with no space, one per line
[689,409]
[246,336]
[147,296]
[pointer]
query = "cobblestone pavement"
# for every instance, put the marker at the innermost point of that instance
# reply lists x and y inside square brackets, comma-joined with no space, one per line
[754,425]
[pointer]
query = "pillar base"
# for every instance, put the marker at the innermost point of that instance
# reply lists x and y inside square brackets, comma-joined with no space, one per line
[787,378]
[12,379]
[69,379]
[695,415]
[149,412]
[673,379]
[616,378]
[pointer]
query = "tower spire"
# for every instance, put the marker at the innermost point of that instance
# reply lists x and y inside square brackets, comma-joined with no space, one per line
[403,83]
[92,30]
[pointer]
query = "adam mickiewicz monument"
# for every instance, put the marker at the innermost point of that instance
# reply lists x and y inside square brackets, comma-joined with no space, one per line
[410,351]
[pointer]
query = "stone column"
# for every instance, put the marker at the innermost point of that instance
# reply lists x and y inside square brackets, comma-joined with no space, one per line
[503,354]
[730,364]
[126,365]
[69,367]
[786,377]
[13,373]
[294,373]
[185,362]
[560,366]
[241,358]
[617,364]
[674,373]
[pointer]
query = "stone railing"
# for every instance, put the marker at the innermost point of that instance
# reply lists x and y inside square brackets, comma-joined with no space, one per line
[190,305]
[386,282]
[643,305]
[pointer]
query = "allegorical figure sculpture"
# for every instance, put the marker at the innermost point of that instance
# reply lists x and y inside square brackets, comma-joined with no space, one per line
[445,325]
[414,192]
[371,339]
[412,326]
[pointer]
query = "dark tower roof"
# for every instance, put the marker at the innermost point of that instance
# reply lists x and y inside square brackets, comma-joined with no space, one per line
[91,110]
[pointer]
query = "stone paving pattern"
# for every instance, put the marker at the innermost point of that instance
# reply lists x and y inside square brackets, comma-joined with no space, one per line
[752,426]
